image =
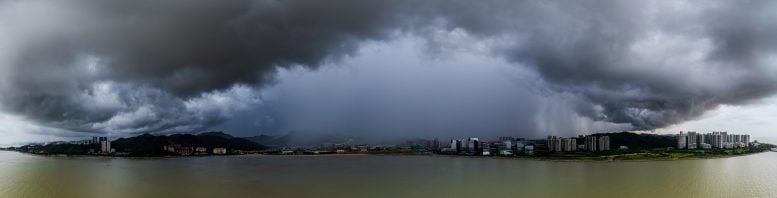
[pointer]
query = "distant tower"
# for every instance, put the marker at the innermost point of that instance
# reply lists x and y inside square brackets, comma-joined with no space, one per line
[105,145]
[692,140]
[604,143]
[590,143]
[473,145]
[551,143]
[682,141]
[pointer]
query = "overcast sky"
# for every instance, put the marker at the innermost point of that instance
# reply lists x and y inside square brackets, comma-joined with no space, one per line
[385,69]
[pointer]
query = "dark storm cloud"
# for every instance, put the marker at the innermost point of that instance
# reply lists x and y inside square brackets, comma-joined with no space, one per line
[176,49]
[652,64]
[140,66]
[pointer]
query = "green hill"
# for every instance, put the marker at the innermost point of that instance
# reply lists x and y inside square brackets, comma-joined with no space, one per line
[151,145]
[640,140]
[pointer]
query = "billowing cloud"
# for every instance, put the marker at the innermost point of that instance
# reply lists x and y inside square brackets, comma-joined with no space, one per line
[651,64]
[143,66]
[134,67]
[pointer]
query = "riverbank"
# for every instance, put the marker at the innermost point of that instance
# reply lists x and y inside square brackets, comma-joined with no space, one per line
[578,157]
[637,158]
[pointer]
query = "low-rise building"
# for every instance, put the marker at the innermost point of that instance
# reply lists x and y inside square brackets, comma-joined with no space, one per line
[219,151]
[178,149]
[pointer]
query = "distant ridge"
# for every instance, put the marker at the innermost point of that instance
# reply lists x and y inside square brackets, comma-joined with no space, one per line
[216,134]
[272,141]
[151,145]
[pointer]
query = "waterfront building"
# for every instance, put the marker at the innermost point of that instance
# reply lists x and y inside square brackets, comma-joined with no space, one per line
[692,139]
[682,141]
[716,139]
[572,144]
[473,145]
[507,145]
[701,139]
[604,143]
[178,149]
[519,147]
[556,144]
[553,143]
[593,143]
[485,148]
[568,144]
[528,149]
[219,151]
[105,145]
[729,138]
[590,143]
[455,144]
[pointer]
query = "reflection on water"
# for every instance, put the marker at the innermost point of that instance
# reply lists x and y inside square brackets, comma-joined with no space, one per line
[23,175]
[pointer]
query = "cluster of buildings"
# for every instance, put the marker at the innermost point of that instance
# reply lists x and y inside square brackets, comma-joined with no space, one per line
[590,143]
[474,146]
[417,146]
[105,145]
[717,140]
[187,150]
[556,144]
[507,146]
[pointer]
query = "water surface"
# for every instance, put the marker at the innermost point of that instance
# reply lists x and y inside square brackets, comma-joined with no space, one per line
[23,175]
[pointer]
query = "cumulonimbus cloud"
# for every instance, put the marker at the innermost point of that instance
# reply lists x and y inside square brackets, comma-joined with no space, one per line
[110,66]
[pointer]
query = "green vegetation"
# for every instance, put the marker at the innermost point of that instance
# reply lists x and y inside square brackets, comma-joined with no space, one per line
[565,156]
[147,145]
[644,154]
[641,140]
[151,145]
[64,149]
[656,154]
[270,140]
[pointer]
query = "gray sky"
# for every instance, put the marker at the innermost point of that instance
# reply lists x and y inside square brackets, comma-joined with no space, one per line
[385,69]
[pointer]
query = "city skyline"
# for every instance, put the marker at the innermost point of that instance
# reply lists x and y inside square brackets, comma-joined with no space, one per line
[398,140]
[599,146]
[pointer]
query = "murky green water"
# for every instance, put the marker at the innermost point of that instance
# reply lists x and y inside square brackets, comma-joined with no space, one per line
[24,175]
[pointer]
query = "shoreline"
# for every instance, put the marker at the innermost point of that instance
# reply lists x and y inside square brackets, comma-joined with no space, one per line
[546,159]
